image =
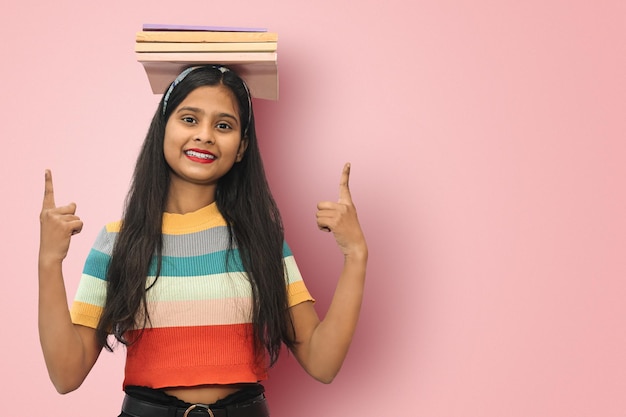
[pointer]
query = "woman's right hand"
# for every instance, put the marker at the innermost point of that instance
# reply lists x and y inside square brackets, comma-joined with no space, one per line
[58,225]
[69,350]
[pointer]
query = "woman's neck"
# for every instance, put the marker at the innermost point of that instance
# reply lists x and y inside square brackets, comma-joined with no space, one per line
[184,197]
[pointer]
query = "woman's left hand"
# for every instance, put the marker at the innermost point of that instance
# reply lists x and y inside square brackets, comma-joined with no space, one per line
[341,219]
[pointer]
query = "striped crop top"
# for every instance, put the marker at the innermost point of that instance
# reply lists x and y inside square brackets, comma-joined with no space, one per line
[200,329]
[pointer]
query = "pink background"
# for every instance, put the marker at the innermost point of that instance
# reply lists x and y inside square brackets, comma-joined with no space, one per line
[487,143]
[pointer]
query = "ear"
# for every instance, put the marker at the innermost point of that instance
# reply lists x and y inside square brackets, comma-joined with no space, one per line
[242,149]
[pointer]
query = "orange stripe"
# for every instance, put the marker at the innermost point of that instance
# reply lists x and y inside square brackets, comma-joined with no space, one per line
[187,356]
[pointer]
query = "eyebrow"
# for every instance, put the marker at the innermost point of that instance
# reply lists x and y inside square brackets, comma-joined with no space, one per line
[199,110]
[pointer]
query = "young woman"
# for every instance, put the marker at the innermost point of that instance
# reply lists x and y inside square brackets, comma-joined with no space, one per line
[196,280]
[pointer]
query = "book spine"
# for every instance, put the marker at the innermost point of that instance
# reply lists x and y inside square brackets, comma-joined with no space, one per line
[167,36]
[159,26]
[205,47]
[258,58]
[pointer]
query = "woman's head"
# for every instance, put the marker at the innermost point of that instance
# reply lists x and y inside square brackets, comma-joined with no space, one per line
[152,169]
[203,141]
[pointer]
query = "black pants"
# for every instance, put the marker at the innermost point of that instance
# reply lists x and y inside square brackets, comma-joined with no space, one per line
[159,397]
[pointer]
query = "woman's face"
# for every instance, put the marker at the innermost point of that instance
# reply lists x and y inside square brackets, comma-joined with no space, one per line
[203,137]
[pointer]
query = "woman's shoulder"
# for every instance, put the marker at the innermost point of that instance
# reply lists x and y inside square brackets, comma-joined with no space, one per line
[113,227]
[105,239]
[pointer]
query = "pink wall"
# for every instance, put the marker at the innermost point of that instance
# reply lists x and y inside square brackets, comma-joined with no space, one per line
[487,143]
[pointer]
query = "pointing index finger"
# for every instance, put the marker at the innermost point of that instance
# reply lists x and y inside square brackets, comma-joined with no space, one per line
[48,194]
[344,185]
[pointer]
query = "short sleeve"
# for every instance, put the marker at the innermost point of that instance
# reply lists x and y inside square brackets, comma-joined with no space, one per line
[297,291]
[91,293]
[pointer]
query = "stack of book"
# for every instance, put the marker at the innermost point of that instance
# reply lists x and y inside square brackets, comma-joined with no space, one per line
[166,50]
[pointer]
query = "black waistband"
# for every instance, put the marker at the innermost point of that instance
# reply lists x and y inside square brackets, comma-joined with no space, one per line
[255,407]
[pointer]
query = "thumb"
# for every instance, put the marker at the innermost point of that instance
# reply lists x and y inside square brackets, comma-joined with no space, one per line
[344,185]
[48,194]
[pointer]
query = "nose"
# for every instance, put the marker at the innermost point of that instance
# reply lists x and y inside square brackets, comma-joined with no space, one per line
[205,134]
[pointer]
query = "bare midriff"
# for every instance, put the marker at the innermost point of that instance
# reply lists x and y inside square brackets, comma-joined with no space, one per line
[203,394]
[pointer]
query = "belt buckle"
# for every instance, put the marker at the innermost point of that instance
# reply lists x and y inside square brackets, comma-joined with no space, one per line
[203,406]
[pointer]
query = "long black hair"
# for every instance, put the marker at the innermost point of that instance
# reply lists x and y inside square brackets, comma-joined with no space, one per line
[243,198]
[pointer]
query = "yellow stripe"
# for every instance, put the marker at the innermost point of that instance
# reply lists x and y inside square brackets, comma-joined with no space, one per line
[203,219]
[180,224]
[114,227]
[298,293]
[85,314]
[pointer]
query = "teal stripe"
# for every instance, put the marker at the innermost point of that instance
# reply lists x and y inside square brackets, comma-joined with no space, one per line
[97,264]
[286,250]
[209,264]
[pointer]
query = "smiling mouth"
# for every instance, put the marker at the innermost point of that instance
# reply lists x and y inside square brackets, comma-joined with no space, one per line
[200,155]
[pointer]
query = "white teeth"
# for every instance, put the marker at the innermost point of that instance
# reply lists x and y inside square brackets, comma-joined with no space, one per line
[200,155]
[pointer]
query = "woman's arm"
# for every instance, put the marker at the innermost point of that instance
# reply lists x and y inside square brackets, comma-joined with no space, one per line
[321,346]
[69,350]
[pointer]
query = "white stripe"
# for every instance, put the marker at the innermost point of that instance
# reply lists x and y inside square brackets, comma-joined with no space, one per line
[91,290]
[200,312]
